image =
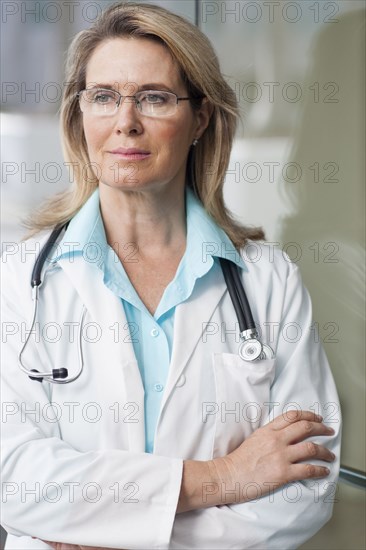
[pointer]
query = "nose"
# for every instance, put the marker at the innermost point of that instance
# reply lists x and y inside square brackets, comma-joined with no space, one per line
[128,120]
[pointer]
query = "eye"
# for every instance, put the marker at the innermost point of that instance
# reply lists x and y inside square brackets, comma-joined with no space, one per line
[101,97]
[153,98]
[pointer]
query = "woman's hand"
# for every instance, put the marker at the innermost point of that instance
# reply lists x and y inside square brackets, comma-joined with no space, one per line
[65,546]
[274,455]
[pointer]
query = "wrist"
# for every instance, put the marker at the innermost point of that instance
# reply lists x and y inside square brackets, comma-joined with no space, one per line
[208,483]
[202,484]
[224,481]
[223,470]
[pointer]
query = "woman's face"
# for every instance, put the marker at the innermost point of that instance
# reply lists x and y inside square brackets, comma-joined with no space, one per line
[127,65]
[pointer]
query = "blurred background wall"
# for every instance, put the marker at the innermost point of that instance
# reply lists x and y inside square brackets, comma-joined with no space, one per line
[297,167]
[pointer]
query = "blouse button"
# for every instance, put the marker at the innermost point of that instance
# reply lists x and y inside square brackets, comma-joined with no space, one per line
[158,387]
[154,332]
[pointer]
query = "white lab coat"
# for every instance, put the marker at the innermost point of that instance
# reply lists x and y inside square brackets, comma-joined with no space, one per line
[83,457]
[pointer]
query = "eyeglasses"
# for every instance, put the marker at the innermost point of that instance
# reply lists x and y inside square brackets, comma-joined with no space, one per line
[105,102]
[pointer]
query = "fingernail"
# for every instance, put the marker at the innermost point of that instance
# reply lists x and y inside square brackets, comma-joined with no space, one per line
[330,430]
[327,471]
[318,417]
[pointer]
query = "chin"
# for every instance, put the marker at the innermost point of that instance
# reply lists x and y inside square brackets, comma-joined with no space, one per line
[128,182]
[127,177]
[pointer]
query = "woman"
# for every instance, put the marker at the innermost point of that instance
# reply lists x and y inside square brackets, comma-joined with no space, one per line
[167,438]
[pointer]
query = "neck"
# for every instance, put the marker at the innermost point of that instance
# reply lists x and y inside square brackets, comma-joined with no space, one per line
[153,222]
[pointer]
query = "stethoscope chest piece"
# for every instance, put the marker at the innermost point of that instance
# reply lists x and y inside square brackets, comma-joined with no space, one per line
[250,349]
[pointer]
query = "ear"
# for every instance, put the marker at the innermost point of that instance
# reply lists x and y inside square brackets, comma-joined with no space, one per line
[203,117]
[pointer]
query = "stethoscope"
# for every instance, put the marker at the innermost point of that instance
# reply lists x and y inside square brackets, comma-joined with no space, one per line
[250,348]
[61,375]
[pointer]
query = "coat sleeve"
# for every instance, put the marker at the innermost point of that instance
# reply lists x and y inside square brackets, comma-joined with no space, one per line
[289,516]
[52,491]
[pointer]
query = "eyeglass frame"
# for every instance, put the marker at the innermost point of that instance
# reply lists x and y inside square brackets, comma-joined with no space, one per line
[137,103]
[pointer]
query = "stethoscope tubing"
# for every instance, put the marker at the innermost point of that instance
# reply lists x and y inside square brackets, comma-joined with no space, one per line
[36,283]
[238,296]
[36,278]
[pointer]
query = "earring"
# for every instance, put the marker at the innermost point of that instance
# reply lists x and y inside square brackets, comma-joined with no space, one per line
[195,141]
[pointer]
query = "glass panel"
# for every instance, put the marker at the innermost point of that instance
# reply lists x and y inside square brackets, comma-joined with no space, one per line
[297,168]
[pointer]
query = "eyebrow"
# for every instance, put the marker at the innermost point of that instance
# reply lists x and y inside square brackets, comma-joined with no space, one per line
[148,86]
[155,86]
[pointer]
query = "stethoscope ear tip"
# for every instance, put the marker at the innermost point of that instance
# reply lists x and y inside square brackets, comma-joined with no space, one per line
[38,378]
[60,373]
[57,374]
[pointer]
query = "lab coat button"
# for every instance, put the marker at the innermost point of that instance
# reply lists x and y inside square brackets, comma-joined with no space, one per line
[154,332]
[158,387]
[181,381]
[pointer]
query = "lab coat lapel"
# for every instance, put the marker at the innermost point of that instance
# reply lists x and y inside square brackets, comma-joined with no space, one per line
[191,318]
[105,308]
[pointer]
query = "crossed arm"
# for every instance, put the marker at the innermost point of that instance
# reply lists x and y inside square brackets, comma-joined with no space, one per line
[274,455]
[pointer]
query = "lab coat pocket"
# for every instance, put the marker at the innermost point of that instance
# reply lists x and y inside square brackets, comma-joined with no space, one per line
[242,399]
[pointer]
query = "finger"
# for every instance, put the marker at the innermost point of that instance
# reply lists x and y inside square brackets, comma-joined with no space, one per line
[291,417]
[294,433]
[300,472]
[62,545]
[307,450]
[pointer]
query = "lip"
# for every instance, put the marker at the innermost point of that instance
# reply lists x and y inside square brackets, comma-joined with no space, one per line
[131,153]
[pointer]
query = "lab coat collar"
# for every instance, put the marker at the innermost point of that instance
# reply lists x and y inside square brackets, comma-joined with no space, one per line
[205,237]
[85,235]
[206,241]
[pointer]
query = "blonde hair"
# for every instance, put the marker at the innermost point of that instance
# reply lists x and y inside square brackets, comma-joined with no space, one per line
[200,71]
